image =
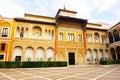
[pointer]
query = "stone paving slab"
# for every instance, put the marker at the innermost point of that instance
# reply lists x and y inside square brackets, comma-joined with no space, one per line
[108,78]
[92,72]
[4,78]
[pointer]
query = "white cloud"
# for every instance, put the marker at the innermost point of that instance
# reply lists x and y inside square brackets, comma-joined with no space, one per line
[106,5]
[88,9]
[101,5]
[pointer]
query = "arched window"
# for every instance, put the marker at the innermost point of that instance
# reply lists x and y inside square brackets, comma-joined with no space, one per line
[97,37]
[110,37]
[37,32]
[116,35]
[89,56]
[22,33]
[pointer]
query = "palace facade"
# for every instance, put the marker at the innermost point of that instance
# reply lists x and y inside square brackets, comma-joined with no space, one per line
[61,38]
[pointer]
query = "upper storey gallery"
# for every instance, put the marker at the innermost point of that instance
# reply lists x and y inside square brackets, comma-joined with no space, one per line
[44,28]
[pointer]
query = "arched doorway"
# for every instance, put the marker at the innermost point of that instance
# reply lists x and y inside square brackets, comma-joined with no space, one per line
[17,54]
[107,54]
[95,56]
[89,56]
[118,51]
[40,54]
[101,54]
[112,52]
[29,54]
[50,54]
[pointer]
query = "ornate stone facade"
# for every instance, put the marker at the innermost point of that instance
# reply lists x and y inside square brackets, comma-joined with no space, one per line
[63,38]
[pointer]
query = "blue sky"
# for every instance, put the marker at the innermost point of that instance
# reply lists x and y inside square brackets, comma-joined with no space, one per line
[106,11]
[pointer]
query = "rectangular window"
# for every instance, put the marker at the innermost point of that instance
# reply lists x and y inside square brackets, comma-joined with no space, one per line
[61,36]
[80,38]
[89,37]
[1,57]
[71,37]
[3,47]
[5,32]
[103,39]
[21,34]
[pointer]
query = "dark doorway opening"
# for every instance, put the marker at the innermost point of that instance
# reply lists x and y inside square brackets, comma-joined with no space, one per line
[71,58]
[18,58]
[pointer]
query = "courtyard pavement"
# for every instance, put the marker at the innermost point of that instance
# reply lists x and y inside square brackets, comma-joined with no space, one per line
[84,72]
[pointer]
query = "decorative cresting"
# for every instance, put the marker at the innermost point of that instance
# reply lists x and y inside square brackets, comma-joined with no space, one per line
[37,32]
